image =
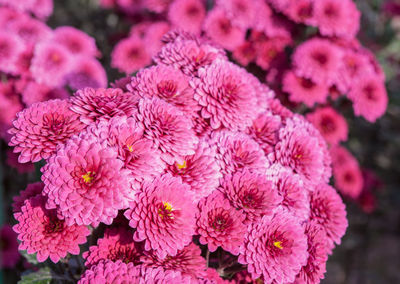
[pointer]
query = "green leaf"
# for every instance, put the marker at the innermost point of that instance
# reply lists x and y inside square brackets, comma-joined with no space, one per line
[42,276]
[31,258]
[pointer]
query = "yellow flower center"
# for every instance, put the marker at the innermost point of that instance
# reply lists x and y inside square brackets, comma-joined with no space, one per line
[88,177]
[181,166]
[166,210]
[130,148]
[278,244]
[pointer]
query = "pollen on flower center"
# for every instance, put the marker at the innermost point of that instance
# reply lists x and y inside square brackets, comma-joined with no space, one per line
[181,166]
[278,244]
[88,177]
[130,148]
[166,210]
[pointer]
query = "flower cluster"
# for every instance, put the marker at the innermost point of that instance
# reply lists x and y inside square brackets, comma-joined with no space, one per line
[193,167]
[306,50]
[38,63]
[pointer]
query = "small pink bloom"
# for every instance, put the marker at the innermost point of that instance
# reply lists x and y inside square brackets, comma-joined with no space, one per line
[76,41]
[187,15]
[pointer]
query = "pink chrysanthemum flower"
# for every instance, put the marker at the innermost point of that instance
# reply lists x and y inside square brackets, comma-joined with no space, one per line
[302,149]
[11,47]
[276,108]
[166,83]
[87,72]
[153,36]
[31,190]
[129,55]
[328,209]
[252,193]
[319,60]
[86,182]
[219,224]
[120,272]
[269,51]
[242,13]
[35,93]
[303,90]
[169,129]
[331,124]
[293,190]
[102,104]
[222,31]
[226,96]
[188,55]
[41,232]
[9,107]
[30,30]
[126,137]
[117,244]
[348,179]
[158,6]
[42,8]
[341,156]
[188,261]
[301,11]
[236,151]
[275,248]
[12,161]
[264,130]
[200,171]
[76,41]
[244,53]
[187,15]
[38,129]
[337,18]
[9,254]
[50,63]
[163,215]
[369,98]
[318,251]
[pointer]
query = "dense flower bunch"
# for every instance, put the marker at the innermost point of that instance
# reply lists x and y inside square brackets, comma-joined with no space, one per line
[38,63]
[195,170]
[306,50]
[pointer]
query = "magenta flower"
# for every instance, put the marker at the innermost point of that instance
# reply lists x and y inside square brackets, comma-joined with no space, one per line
[337,18]
[269,51]
[369,98]
[40,231]
[117,244]
[166,83]
[226,95]
[129,55]
[35,93]
[244,53]
[76,41]
[169,129]
[30,30]
[31,190]
[242,13]
[95,104]
[235,151]
[348,179]
[188,261]
[87,72]
[157,6]
[187,15]
[9,249]
[252,193]
[11,47]
[301,11]
[120,272]
[275,248]
[86,182]
[331,124]
[219,224]
[153,36]
[200,171]
[188,55]
[328,209]
[221,30]
[264,130]
[302,90]
[163,215]
[50,63]
[124,136]
[39,129]
[318,251]
[293,191]
[318,60]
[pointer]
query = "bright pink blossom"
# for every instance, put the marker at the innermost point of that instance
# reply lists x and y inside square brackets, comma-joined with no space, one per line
[187,15]
[76,41]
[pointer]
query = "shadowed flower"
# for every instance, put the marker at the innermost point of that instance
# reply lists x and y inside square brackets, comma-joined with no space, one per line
[41,232]
[31,190]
